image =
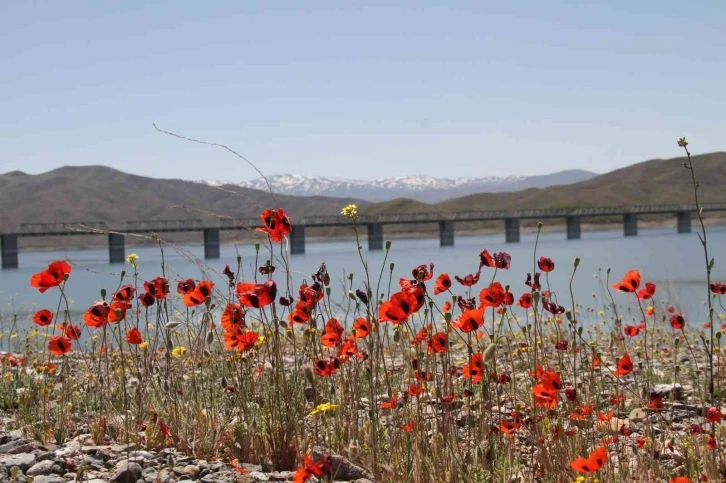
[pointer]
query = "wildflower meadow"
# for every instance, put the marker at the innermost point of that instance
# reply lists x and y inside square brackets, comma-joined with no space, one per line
[437,377]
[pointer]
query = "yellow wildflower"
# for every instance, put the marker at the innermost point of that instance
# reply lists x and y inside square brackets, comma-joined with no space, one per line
[179,351]
[324,408]
[144,345]
[132,260]
[350,211]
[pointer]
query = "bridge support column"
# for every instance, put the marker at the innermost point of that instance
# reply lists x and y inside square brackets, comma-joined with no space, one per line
[9,251]
[116,248]
[684,221]
[211,243]
[297,239]
[573,227]
[375,236]
[630,224]
[511,230]
[446,233]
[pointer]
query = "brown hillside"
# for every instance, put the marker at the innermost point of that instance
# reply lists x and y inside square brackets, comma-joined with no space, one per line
[659,181]
[98,193]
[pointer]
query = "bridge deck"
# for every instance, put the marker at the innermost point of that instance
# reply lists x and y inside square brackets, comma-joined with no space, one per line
[170,226]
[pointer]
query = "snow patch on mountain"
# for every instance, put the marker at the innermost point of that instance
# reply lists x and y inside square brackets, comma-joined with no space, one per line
[423,188]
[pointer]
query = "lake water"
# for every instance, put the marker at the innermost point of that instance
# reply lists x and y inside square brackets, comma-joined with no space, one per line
[673,261]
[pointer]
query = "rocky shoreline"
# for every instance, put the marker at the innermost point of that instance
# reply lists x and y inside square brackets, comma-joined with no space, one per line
[27,461]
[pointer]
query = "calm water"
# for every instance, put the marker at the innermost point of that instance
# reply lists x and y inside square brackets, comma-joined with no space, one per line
[674,262]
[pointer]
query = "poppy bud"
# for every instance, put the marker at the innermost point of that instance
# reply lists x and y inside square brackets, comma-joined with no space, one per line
[285,302]
[362,296]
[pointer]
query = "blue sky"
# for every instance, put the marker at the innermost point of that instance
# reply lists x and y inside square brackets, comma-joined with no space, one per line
[359,89]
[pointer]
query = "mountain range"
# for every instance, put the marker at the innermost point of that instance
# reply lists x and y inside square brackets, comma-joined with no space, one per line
[100,193]
[427,189]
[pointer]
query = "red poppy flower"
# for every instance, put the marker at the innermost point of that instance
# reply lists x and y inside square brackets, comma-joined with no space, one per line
[233,316]
[633,330]
[301,314]
[470,280]
[350,349]
[276,224]
[678,322]
[59,345]
[415,389]
[362,327]
[146,299]
[525,301]
[391,403]
[158,288]
[492,296]
[421,335]
[544,396]
[256,295]
[398,308]
[51,277]
[73,332]
[561,345]
[629,283]
[185,286]
[545,264]
[242,340]
[443,283]
[311,294]
[625,366]
[711,443]
[470,320]
[719,288]
[312,468]
[125,293]
[438,343]
[474,369]
[509,427]
[117,311]
[97,314]
[331,335]
[200,294]
[502,260]
[133,336]
[423,376]
[408,427]
[423,273]
[593,463]
[648,292]
[486,259]
[713,415]
[680,479]
[446,307]
[43,317]
[328,367]
[552,379]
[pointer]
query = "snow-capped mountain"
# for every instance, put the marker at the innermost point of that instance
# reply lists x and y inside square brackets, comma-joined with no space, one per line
[423,188]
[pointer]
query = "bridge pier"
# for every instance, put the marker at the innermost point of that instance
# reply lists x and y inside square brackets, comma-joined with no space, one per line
[573,227]
[511,230]
[684,221]
[446,233]
[9,251]
[297,239]
[375,236]
[211,243]
[630,224]
[116,248]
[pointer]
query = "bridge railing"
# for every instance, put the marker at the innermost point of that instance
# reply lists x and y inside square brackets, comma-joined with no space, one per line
[62,227]
[164,225]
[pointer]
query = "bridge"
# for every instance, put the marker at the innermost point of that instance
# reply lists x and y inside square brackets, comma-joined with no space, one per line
[374,226]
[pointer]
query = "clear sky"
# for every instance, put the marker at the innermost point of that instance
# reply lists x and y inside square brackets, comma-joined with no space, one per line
[359,89]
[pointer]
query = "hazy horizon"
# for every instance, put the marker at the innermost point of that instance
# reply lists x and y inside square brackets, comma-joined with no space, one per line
[363,91]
